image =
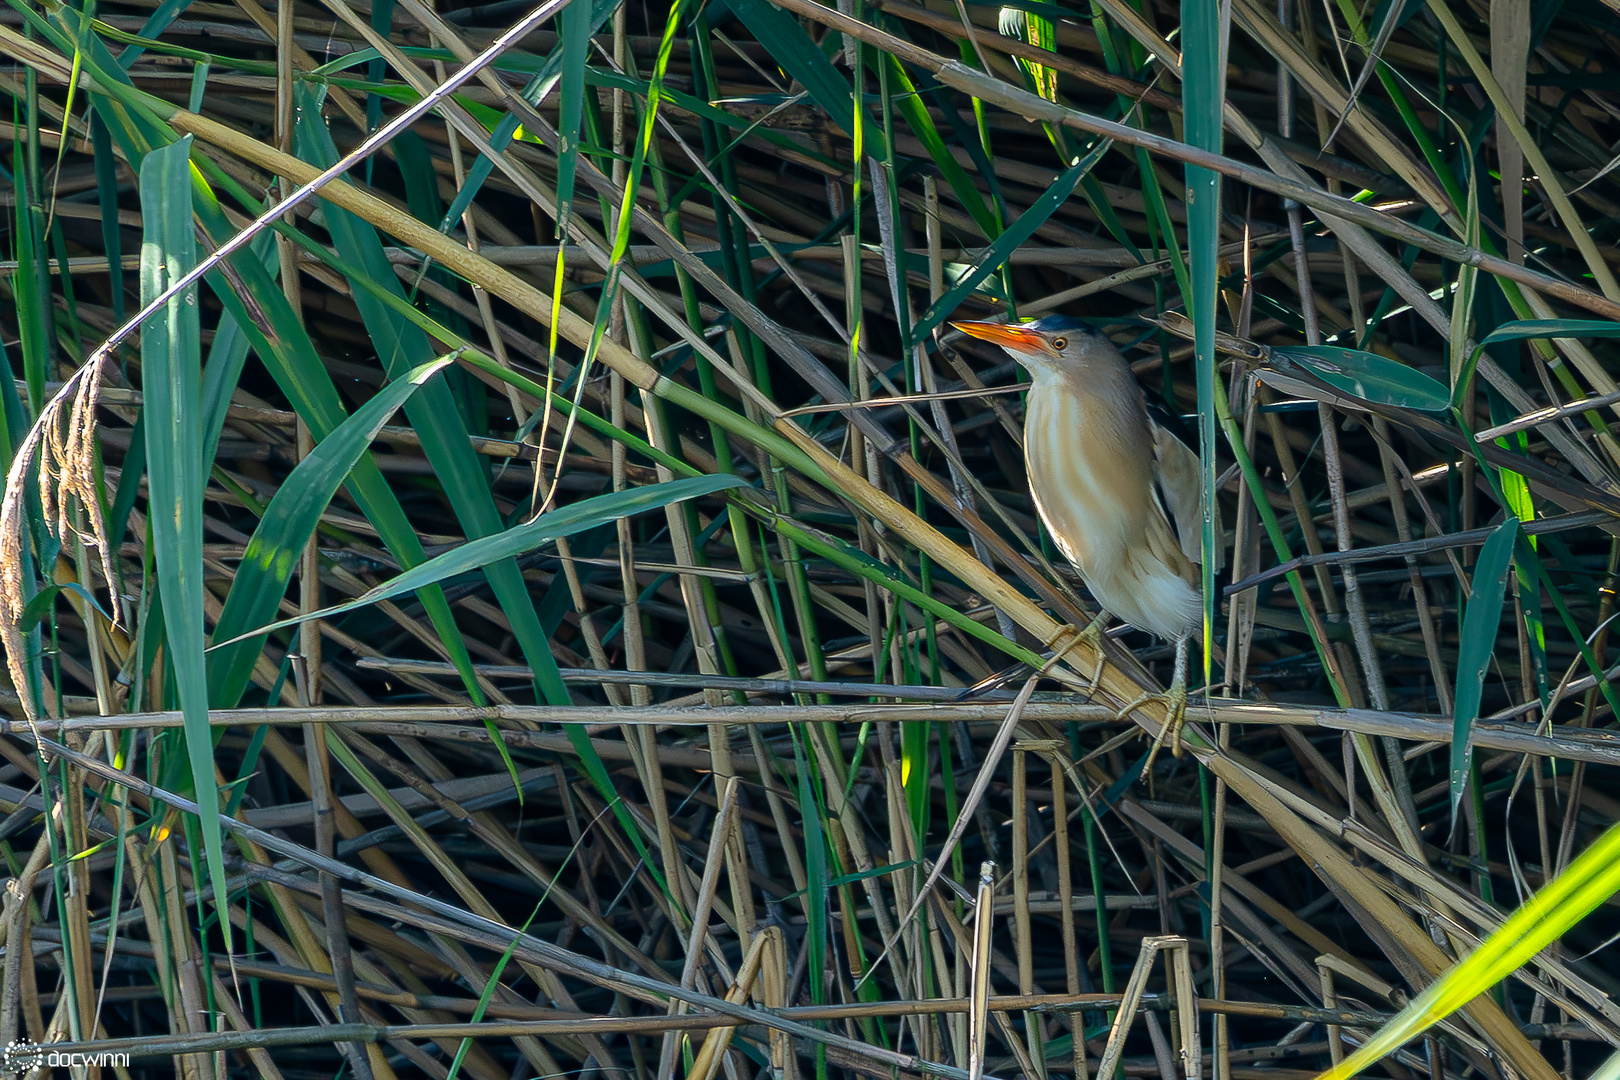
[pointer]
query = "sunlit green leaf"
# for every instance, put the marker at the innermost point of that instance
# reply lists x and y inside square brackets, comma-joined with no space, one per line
[1548,915]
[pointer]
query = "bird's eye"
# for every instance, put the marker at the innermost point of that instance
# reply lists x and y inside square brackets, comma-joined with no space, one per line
[1060,343]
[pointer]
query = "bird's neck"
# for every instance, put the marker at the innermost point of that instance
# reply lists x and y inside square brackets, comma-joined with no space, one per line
[1105,392]
[1102,416]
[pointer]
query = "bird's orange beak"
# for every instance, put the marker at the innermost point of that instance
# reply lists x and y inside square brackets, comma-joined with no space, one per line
[1007,335]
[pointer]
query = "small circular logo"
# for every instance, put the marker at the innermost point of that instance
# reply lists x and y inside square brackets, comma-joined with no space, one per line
[20,1056]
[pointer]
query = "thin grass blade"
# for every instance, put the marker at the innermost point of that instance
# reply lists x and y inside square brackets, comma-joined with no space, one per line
[996,254]
[401,345]
[800,57]
[31,286]
[1526,330]
[475,554]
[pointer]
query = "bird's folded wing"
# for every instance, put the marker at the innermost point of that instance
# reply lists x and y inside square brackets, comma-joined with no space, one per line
[1181,489]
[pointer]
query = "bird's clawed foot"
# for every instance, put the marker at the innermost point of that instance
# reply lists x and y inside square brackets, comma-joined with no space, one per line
[1175,709]
[1090,635]
[1175,718]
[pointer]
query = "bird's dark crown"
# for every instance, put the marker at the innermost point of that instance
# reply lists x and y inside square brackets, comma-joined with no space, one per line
[1051,324]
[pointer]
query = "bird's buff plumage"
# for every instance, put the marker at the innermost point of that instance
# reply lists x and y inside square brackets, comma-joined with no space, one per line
[1119,493]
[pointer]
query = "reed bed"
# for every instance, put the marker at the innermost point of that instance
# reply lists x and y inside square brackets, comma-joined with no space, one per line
[573,383]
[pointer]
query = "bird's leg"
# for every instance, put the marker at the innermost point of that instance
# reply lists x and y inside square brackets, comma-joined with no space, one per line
[1175,702]
[1176,699]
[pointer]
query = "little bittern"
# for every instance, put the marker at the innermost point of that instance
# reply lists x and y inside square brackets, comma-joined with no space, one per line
[1119,493]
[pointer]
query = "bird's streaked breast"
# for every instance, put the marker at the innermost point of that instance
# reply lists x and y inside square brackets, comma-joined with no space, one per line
[1091,473]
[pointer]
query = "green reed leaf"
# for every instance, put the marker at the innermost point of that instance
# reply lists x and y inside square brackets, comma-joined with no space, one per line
[1586,883]
[171,369]
[1203,87]
[1480,620]
[476,554]
[992,257]
[272,553]
[1369,377]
